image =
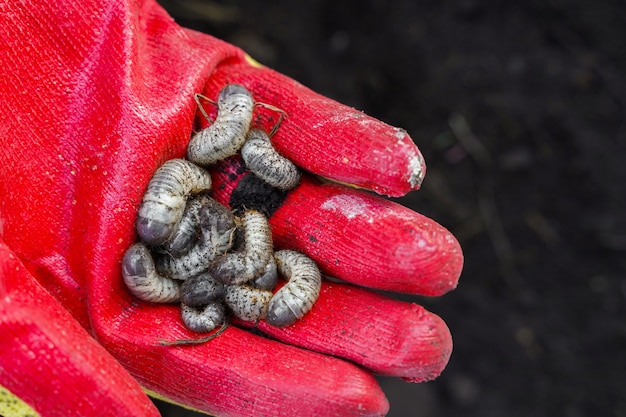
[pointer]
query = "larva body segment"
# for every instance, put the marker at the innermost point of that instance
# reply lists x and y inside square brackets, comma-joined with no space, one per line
[204,319]
[246,302]
[228,132]
[190,264]
[248,263]
[200,290]
[217,225]
[164,200]
[142,279]
[295,298]
[262,159]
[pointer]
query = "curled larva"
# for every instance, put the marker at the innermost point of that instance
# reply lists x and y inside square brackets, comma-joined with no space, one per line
[142,279]
[246,302]
[228,132]
[248,263]
[217,227]
[200,290]
[262,159]
[269,278]
[164,201]
[296,297]
[203,319]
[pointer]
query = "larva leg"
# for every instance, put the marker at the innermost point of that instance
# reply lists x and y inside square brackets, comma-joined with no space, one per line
[200,290]
[228,132]
[262,159]
[295,298]
[248,263]
[199,96]
[204,319]
[246,302]
[282,116]
[218,227]
[269,279]
[164,201]
[142,279]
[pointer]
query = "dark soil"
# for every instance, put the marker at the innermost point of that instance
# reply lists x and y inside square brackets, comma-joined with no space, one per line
[519,110]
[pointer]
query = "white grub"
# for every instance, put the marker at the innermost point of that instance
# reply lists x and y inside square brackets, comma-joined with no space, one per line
[295,298]
[203,319]
[142,279]
[201,290]
[217,225]
[246,302]
[165,198]
[249,263]
[262,159]
[228,132]
[269,278]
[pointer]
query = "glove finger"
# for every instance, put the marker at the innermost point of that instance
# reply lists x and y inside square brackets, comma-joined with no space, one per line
[50,362]
[235,374]
[388,337]
[353,235]
[327,138]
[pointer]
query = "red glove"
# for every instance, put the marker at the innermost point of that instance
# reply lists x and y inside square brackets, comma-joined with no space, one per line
[96,96]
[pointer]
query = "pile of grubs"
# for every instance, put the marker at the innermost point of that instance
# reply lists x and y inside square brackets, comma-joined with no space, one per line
[195,251]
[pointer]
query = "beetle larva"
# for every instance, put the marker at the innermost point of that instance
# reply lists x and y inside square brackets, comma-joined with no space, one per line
[218,227]
[228,132]
[204,319]
[200,290]
[248,263]
[246,302]
[164,201]
[142,279]
[262,159]
[296,297]
[269,278]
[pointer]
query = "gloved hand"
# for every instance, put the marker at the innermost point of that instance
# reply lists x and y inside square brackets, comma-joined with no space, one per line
[96,96]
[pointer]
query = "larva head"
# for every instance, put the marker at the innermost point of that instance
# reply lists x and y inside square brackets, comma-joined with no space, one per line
[216,217]
[279,314]
[153,231]
[225,269]
[269,279]
[136,262]
[230,90]
[181,244]
[200,290]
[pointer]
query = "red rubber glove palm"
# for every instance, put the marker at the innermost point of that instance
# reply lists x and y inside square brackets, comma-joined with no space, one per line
[95,98]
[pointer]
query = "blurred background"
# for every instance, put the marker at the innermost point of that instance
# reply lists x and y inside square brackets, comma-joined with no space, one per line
[519,110]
